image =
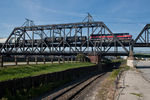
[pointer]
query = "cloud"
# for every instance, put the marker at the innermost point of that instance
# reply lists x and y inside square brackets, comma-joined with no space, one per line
[120,5]
[36,9]
[62,12]
[30,6]
[6,25]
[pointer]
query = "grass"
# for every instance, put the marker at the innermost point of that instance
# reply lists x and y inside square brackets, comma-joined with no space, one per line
[137,94]
[20,71]
[115,72]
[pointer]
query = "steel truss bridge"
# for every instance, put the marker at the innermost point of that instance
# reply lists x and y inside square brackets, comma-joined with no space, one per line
[69,39]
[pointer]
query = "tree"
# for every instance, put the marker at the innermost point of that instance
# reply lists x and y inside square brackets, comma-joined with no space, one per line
[81,57]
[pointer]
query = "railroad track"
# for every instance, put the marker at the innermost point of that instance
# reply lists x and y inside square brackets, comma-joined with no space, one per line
[72,91]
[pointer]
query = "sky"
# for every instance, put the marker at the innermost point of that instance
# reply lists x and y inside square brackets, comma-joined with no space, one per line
[119,15]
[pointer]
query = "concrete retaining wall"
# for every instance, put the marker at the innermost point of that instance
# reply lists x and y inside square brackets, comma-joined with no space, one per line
[28,82]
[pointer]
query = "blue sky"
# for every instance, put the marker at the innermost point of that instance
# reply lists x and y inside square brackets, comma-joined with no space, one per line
[119,15]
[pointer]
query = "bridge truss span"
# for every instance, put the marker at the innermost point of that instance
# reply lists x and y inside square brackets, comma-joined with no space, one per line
[60,38]
[143,39]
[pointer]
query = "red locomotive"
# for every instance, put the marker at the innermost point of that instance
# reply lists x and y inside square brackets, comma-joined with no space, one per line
[121,36]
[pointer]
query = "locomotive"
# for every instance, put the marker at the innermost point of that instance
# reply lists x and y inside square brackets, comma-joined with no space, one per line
[121,36]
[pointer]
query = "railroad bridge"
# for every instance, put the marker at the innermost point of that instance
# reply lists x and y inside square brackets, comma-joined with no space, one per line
[69,39]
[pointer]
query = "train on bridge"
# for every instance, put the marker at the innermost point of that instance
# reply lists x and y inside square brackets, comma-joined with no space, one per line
[124,37]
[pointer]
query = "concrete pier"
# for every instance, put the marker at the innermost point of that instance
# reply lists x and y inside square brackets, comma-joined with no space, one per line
[36,60]
[59,60]
[27,60]
[52,59]
[16,63]
[130,60]
[96,58]
[44,60]
[1,61]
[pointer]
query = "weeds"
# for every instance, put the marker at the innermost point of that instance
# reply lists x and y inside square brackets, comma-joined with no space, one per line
[137,94]
[108,85]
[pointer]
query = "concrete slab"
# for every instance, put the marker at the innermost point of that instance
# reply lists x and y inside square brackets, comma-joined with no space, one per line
[133,86]
[144,68]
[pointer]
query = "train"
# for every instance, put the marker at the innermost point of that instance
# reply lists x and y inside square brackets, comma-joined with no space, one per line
[71,39]
[68,39]
[126,37]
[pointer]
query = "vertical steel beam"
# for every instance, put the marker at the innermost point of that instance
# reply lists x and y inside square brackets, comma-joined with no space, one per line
[88,31]
[32,41]
[81,40]
[64,37]
[147,36]
[53,41]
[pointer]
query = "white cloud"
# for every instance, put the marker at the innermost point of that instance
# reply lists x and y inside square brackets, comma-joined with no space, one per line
[62,12]
[36,9]
[32,7]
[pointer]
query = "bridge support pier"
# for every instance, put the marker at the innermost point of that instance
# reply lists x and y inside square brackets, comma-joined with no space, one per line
[44,60]
[71,60]
[59,60]
[99,64]
[1,61]
[130,60]
[96,58]
[63,60]
[83,60]
[68,59]
[27,60]
[36,60]
[52,59]
[76,60]
[16,61]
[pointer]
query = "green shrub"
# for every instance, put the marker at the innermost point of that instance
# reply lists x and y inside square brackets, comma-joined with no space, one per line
[81,57]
